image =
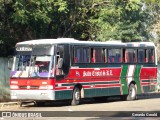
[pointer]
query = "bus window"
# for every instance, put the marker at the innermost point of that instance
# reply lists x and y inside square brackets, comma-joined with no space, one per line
[146,56]
[86,55]
[118,56]
[151,56]
[105,55]
[114,56]
[126,58]
[130,56]
[92,55]
[60,57]
[43,63]
[81,55]
[141,56]
[99,55]
[77,55]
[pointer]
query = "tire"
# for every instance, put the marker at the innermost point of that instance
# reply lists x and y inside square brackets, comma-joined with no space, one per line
[76,96]
[132,92]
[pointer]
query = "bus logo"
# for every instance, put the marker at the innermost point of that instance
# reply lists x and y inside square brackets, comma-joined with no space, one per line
[77,73]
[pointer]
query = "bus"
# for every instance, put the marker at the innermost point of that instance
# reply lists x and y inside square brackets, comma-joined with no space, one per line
[68,69]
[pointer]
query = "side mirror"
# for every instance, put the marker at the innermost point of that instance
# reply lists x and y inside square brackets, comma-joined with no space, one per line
[60,63]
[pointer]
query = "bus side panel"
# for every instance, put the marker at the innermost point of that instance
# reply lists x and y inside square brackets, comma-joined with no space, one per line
[123,77]
[114,82]
[143,77]
[137,78]
[89,93]
[63,94]
[104,81]
[148,77]
[129,74]
[102,92]
[114,91]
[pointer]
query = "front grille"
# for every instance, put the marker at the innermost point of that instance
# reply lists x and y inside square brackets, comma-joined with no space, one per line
[28,87]
[23,87]
[34,87]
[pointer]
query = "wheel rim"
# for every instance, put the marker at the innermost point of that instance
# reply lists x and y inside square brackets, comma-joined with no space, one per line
[132,92]
[77,95]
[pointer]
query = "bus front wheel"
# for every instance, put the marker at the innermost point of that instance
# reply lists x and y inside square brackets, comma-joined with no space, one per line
[76,96]
[132,92]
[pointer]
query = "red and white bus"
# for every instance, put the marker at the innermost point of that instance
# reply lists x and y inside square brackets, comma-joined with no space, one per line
[69,69]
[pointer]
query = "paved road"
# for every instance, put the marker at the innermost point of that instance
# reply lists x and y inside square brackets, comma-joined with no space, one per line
[89,109]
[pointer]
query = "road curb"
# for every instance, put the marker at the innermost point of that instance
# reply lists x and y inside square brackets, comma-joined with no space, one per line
[139,96]
[149,95]
[8,104]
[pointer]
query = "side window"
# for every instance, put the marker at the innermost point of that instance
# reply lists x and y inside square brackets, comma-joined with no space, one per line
[59,60]
[141,56]
[151,56]
[77,55]
[86,55]
[60,52]
[105,54]
[129,55]
[81,55]
[93,55]
[99,55]
[62,61]
[114,56]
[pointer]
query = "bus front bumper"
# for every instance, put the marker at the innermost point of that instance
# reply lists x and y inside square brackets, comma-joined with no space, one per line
[32,94]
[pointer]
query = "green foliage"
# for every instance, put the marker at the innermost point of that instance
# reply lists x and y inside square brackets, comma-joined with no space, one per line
[99,20]
[123,20]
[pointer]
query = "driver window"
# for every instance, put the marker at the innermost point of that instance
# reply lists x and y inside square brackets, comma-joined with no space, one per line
[59,60]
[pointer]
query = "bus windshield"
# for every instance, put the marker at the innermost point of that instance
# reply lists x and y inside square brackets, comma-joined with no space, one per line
[32,66]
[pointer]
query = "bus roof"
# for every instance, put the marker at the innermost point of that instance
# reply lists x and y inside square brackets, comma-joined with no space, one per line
[78,42]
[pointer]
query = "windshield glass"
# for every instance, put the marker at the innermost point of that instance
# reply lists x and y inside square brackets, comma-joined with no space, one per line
[32,66]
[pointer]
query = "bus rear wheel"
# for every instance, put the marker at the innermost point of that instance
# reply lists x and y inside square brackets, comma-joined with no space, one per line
[132,92]
[76,96]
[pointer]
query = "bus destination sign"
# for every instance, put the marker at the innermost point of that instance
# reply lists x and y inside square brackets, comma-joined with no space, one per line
[23,49]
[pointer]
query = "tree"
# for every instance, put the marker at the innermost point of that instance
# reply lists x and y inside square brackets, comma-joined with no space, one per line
[99,20]
[122,20]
